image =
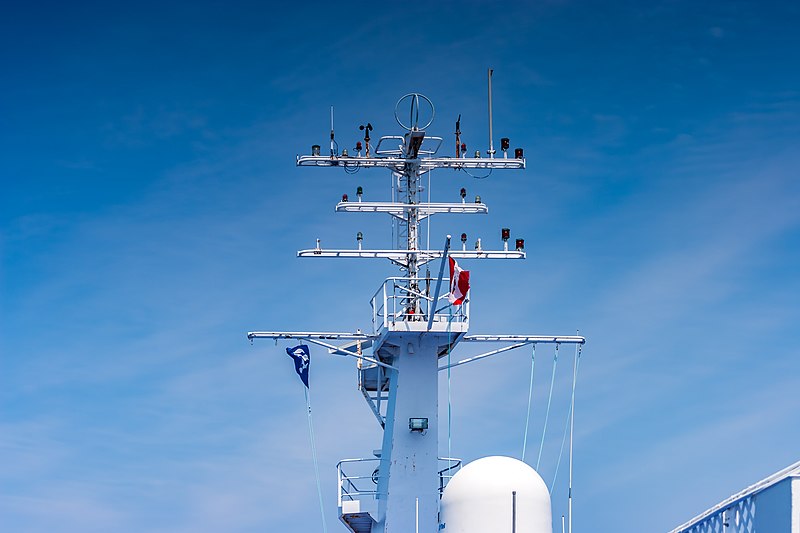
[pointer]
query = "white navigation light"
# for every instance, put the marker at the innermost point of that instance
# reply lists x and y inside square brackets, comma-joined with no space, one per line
[496,494]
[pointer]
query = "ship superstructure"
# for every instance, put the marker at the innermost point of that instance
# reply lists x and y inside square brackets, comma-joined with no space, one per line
[416,322]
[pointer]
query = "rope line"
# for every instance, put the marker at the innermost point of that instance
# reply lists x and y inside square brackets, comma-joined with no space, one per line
[549,403]
[530,399]
[449,402]
[316,464]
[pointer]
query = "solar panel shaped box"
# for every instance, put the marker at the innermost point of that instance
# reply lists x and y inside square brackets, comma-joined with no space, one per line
[496,494]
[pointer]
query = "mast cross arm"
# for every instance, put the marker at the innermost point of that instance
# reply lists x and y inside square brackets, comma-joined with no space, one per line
[326,335]
[319,338]
[527,339]
[423,210]
[518,341]
[425,163]
[422,255]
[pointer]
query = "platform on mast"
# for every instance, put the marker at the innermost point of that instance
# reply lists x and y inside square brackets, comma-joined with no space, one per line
[403,304]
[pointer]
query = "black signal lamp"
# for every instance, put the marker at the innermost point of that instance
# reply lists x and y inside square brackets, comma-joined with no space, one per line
[504,143]
[463,193]
[520,244]
[344,197]
[315,149]
[505,233]
[358,146]
[477,199]
[359,190]
[463,238]
[517,153]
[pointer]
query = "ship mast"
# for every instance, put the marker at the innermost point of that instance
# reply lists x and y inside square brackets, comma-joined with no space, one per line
[412,328]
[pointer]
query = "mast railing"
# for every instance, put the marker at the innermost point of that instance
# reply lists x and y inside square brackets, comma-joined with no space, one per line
[400,305]
[445,475]
[355,487]
[364,485]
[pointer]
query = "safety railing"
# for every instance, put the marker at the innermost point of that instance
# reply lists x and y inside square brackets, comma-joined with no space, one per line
[362,485]
[362,482]
[447,473]
[406,303]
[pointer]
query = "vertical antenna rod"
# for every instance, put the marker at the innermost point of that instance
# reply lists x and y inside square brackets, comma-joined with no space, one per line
[333,152]
[458,137]
[514,511]
[491,142]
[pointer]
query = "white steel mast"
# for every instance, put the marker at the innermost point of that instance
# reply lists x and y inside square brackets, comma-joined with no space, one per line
[412,329]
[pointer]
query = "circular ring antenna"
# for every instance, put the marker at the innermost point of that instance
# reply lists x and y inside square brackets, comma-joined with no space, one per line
[414,105]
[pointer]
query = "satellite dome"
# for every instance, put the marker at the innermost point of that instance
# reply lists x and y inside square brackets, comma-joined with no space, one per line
[496,494]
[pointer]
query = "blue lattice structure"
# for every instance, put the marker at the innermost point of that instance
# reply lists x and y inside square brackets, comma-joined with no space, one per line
[770,506]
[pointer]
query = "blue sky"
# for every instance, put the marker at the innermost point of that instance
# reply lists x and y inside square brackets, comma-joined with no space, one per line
[151,211]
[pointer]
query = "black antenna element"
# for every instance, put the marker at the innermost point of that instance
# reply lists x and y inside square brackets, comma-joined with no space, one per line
[333,142]
[366,129]
[458,136]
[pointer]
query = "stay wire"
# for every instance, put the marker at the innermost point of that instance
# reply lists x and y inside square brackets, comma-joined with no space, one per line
[549,403]
[530,400]
[569,414]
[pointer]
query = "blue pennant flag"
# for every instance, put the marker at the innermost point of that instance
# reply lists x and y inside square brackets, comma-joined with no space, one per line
[302,360]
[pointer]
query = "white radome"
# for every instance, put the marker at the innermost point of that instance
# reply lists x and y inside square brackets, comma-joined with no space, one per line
[480,499]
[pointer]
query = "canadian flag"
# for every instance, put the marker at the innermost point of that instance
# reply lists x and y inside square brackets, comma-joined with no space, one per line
[459,283]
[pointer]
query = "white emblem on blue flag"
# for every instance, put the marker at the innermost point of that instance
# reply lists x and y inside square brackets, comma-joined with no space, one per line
[302,360]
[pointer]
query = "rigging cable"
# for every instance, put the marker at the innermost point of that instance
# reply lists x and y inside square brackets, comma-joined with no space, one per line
[549,401]
[569,414]
[351,168]
[530,398]
[477,177]
[429,216]
[316,465]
